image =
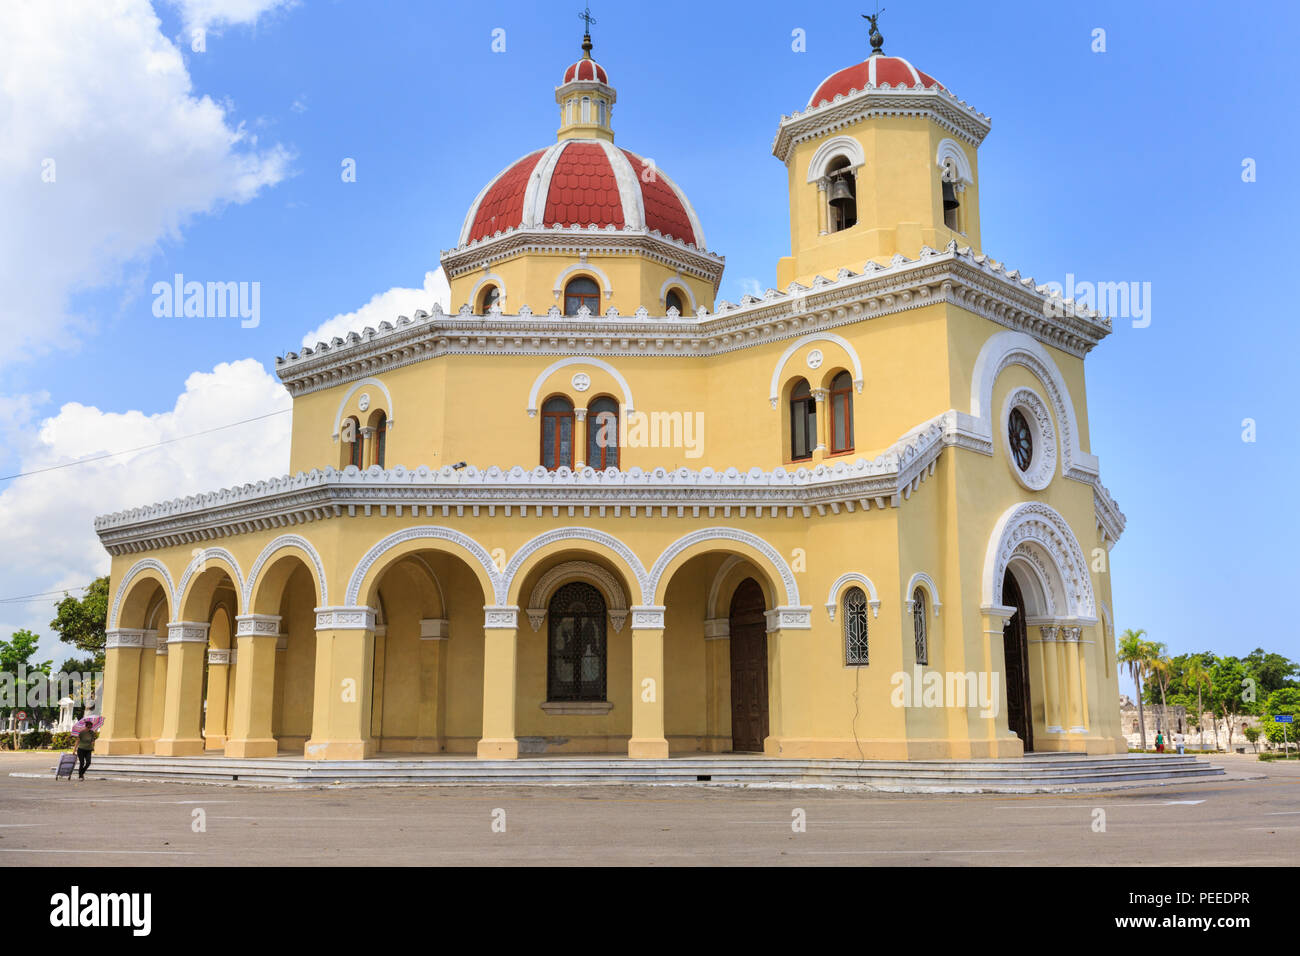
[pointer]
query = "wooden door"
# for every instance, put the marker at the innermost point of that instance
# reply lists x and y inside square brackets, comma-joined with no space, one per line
[748,668]
[1015,647]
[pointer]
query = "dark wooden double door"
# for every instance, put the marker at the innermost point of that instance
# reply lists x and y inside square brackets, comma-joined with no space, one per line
[748,668]
[1015,647]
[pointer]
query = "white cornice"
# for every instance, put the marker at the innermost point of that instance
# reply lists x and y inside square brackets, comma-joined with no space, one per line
[976,283]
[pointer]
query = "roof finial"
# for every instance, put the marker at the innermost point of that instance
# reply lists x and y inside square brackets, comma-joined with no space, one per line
[877,41]
[586,37]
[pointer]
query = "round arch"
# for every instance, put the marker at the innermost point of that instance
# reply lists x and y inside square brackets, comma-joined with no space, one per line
[401,543]
[347,397]
[774,391]
[196,571]
[554,367]
[950,151]
[845,146]
[1040,543]
[584,268]
[537,550]
[765,558]
[677,282]
[848,579]
[489,278]
[291,543]
[922,580]
[148,567]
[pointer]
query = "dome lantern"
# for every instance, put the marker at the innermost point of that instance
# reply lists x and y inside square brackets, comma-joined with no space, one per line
[585,98]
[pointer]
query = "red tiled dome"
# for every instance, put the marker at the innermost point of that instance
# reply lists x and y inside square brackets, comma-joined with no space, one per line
[586,69]
[582,183]
[874,72]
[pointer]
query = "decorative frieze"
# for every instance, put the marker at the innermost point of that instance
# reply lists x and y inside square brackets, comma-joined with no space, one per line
[647,617]
[257,625]
[500,617]
[123,637]
[222,655]
[187,632]
[345,619]
[789,618]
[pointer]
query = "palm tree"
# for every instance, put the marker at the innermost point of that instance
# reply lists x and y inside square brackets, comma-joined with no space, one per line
[1160,667]
[1196,675]
[1133,654]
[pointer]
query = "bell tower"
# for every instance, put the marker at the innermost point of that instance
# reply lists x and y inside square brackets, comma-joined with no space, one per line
[881,161]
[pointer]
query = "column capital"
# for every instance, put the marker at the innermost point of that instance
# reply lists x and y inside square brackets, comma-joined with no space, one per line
[435,629]
[257,625]
[123,637]
[717,629]
[187,632]
[340,618]
[998,611]
[221,655]
[500,617]
[647,617]
[789,617]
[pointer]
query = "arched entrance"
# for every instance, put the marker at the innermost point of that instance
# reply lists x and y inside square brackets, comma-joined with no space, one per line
[749,725]
[1015,646]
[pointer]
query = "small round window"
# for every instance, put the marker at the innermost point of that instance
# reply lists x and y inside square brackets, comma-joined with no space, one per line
[1022,439]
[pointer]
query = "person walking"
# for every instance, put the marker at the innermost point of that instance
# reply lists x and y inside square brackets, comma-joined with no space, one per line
[86,734]
[1180,742]
[1160,742]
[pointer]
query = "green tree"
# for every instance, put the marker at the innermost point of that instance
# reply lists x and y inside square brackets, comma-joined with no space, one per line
[1285,700]
[1228,677]
[81,621]
[1159,670]
[1252,734]
[1134,653]
[1271,671]
[17,671]
[1196,676]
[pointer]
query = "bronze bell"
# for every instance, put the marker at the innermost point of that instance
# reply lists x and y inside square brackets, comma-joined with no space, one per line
[949,197]
[841,192]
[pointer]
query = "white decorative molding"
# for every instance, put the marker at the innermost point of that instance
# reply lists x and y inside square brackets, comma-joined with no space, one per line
[647,617]
[162,648]
[836,146]
[774,390]
[1042,463]
[187,632]
[586,266]
[279,544]
[689,541]
[949,152]
[488,278]
[717,629]
[814,361]
[500,617]
[589,535]
[345,618]
[921,579]
[536,618]
[617,618]
[372,382]
[257,625]
[151,639]
[1038,537]
[615,596]
[786,618]
[677,282]
[200,564]
[149,564]
[843,581]
[123,637]
[424,533]
[554,367]
[581,381]
[435,629]
[221,655]
[998,611]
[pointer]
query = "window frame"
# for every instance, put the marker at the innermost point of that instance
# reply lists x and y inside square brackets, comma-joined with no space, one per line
[853,616]
[920,627]
[808,403]
[595,689]
[560,418]
[593,306]
[841,399]
[601,457]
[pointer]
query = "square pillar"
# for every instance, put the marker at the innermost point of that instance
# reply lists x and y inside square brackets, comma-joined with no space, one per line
[717,683]
[122,652]
[648,741]
[159,690]
[256,636]
[221,661]
[187,644]
[144,721]
[345,661]
[996,738]
[500,662]
[781,659]
[432,714]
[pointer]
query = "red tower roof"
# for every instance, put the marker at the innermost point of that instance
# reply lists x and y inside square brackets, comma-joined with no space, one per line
[586,69]
[876,72]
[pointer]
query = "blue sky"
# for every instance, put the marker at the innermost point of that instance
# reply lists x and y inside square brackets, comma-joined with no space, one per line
[1122,165]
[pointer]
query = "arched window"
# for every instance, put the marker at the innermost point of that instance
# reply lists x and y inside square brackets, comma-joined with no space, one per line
[841,195]
[951,203]
[600,112]
[918,627]
[579,292]
[586,109]
[674,301]
[351,435]
[803,421]
[557,433]
[575,658]
[570,110]
[602,433]
[854,615]
[381,437]
[489,297]
[841,414]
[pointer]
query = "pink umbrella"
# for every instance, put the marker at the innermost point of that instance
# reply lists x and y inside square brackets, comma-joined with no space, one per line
[93,723]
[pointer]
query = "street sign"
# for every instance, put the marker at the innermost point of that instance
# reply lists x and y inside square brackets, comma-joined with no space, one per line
[22,715]
[1277,718]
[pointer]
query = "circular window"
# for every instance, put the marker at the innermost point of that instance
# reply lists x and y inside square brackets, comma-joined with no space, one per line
[1022,440]
[1030,438]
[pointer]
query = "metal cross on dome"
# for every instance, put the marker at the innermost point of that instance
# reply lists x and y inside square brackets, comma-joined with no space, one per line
[586,15]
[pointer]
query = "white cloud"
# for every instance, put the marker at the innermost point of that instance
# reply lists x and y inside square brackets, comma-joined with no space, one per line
[215,13]
[93,96]
[47,520]
[385,307]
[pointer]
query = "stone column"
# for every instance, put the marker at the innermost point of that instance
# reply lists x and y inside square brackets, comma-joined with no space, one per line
[823,434]
[500,634]
[159,691]
[579,438]
[998,739]
[220,663]
[1049,655]
[717,676]
[145,697]
[648,741]
[256,636]
[823,227]
[366,435]
[1072,635]
[187,644]
[781,659]
[122,647]
[345,661]
[432,716]
[277,705]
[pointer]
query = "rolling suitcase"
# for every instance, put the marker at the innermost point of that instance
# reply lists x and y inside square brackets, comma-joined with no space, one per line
[67,764]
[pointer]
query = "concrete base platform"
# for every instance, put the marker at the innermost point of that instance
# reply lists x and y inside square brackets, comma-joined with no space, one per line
[1033,774]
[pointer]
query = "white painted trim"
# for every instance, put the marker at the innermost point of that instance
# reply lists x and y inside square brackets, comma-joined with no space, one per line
[845,146]
[949,149]
[1035,528]
[493,278]
[921,579]
[146,564]
[843,581]
[579,360]
[629,187]
[389,411]
[797,344]
[581,266]
[279,544]
[423,533]
[1042,465]
[616,602]
[680,283]
[539,187]
[688,541]
[196,565]
[591,535]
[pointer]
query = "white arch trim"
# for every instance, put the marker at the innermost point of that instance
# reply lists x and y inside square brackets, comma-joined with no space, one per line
[843,581]
[949,150]
[680,283]
[845,146]
[347,397]
[122,586]
[578,360]
[563,277]
[921,579]
[1029,532]
[579,534]
[197,565]
[629,189]
[725,534]
[1007,348]
[421,533]
[488,277]
[797,344]
[616,606]
[280,544]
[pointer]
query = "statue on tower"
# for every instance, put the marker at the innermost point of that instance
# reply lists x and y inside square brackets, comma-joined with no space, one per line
[877,41]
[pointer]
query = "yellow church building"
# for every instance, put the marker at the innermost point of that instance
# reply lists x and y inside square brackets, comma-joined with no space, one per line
[595,510]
